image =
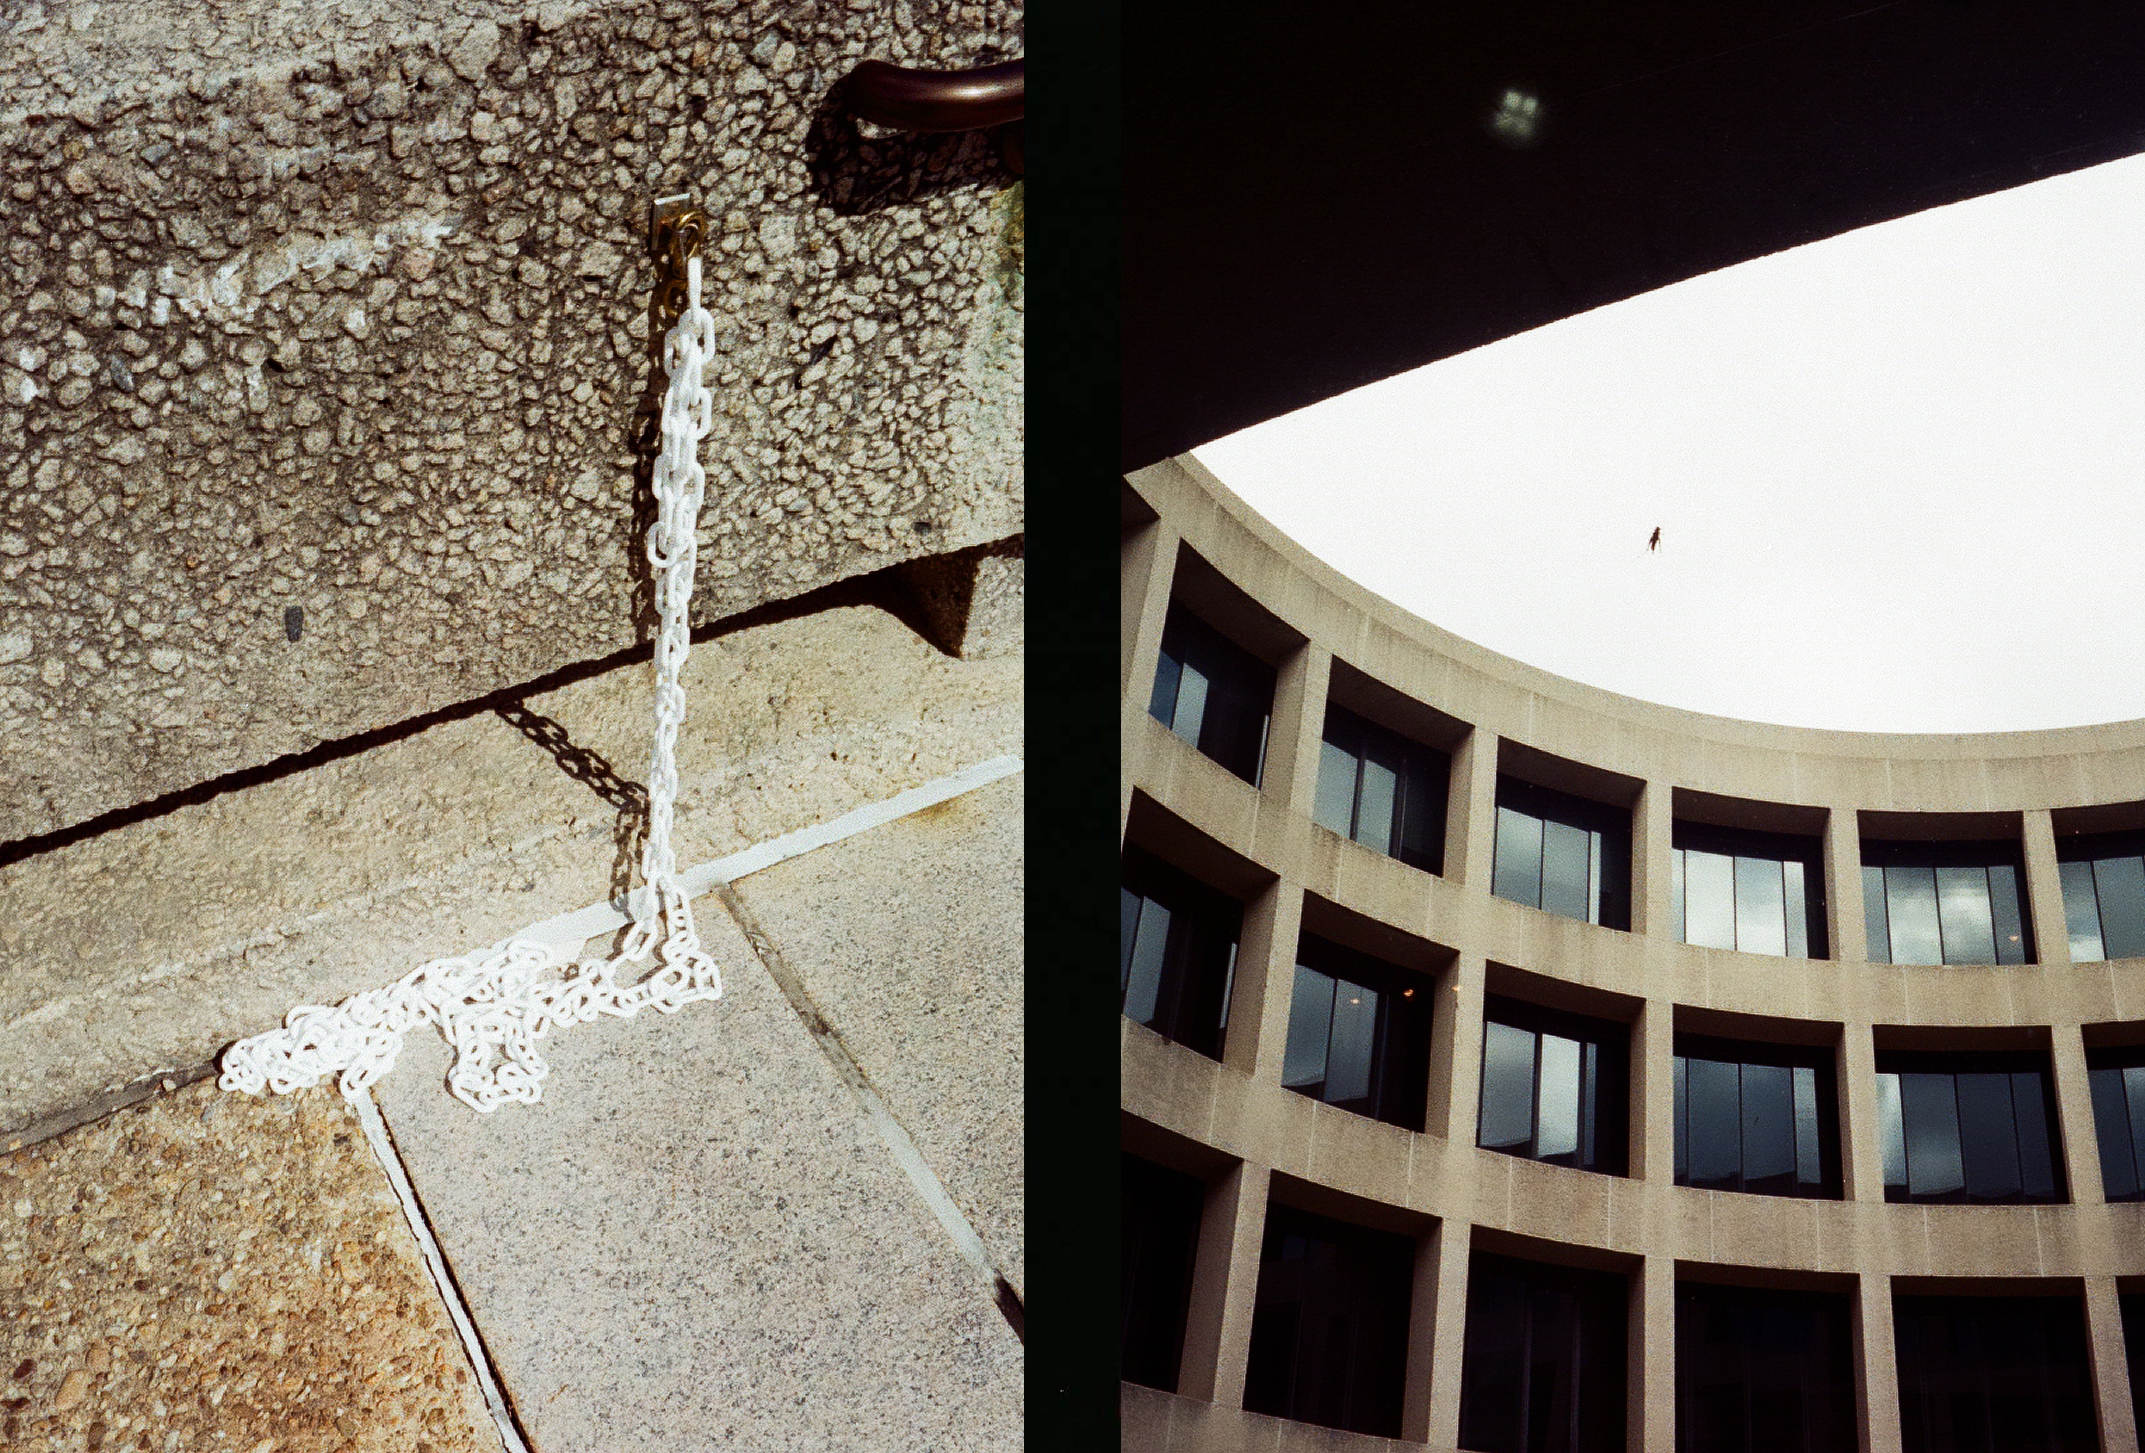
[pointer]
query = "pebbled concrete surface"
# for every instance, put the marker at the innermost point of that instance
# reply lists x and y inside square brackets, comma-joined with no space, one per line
[324,348]
[205,1271]
[149,947]
[908,940]
[696,1240]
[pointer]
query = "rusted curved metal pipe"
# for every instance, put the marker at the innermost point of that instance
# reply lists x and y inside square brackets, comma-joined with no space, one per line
[907,100]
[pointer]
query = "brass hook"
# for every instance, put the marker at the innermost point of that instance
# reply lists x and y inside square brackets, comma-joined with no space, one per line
[676,231]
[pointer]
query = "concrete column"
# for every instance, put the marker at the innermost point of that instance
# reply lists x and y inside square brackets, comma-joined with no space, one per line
[1149,561]
[1225,1282]
[1456,1052]
[2074,1115]
[1653,1093]
[2051,932]
[2111,1367]
[1876,1364]
[1437,1328]
[1257,1034]
[1651,1402]
[1298,728]
[1861,1136]
[1843,885]
[1652,872]
[1148,567]
[1471,824]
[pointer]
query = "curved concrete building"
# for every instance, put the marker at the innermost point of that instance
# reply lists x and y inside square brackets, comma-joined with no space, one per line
[1512,1064]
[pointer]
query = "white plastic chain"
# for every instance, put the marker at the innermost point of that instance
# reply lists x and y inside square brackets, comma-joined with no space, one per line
[493,1006]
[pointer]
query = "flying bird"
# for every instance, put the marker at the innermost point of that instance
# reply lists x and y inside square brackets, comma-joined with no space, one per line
[1655,542]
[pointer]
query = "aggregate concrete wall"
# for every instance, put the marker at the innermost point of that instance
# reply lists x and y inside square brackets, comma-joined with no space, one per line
[326,368]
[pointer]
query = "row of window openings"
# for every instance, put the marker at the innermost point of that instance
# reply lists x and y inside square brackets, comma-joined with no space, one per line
[1924,903]
[1544,1353]
[1757,1119]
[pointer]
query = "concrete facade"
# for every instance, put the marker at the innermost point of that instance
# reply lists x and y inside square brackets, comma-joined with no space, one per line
[326,367]
[1231,1122]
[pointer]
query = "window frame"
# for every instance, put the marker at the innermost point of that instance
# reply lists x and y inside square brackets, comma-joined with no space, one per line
[1383,1274]
[1163,1185]
[1805,851]
[1897,1147]
[2115,1081]
[1601,1298]
[1880,910]
[1819,1060]
[1399,1069]
[1836,1404]
[1422,792]
[1233,674]
[1608,1118]
[2090,852]
[2004,1363]
[1608,829]
[1186,995]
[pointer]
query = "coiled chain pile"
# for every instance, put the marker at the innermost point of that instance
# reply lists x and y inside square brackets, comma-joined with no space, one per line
[493,1006]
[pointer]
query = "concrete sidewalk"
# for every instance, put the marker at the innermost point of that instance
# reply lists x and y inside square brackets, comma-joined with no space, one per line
[789,1218]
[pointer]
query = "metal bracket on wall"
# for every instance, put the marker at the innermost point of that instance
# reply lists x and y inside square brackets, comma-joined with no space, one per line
[915,100]
[676,230]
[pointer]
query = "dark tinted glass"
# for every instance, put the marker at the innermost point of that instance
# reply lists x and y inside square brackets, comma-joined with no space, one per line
[2117,1078]
[1756,1117]
[2133,1307]
[1543,1370]
[1358,1034]
[1177,953]
[1763,1371]
[1160,1237]
[1554,1086]
[1213,693]
[1565,854]
[1993,1375]
[1329,1329]
[1970,1128]
[1946,902]
[1384,790]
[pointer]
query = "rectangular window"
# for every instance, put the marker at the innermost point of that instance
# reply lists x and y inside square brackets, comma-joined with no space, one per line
[1562,854]
[2133,1310]
[1329,1323]
[2117,1078]
[1161,1214]
[1756,1117]
[1176,952]
[1756,892]
[1763,1371]
[1213,693]
[1946,903]
[1554,1086]
[2002,1374]
[1968,1128]
[2103,877]
[1384,790]
[1543,1364]
[1358,1034]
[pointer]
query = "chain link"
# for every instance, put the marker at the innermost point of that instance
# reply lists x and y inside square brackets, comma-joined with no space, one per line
[493,1006]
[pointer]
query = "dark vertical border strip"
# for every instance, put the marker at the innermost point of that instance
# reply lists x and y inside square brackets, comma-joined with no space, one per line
[1073,268]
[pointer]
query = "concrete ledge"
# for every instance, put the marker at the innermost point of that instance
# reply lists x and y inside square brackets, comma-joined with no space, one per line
[151,946]
[326,364]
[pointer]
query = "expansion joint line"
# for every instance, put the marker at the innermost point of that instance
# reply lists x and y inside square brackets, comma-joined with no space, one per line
[494,1006]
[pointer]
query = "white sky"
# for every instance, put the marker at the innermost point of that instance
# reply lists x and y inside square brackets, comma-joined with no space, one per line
[1899,476]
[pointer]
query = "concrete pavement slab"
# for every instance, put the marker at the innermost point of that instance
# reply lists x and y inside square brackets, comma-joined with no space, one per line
[696,1240]
[207,1271]
[908,940]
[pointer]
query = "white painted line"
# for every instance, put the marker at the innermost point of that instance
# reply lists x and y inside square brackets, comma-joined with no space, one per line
[383,1149]
[571,929]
